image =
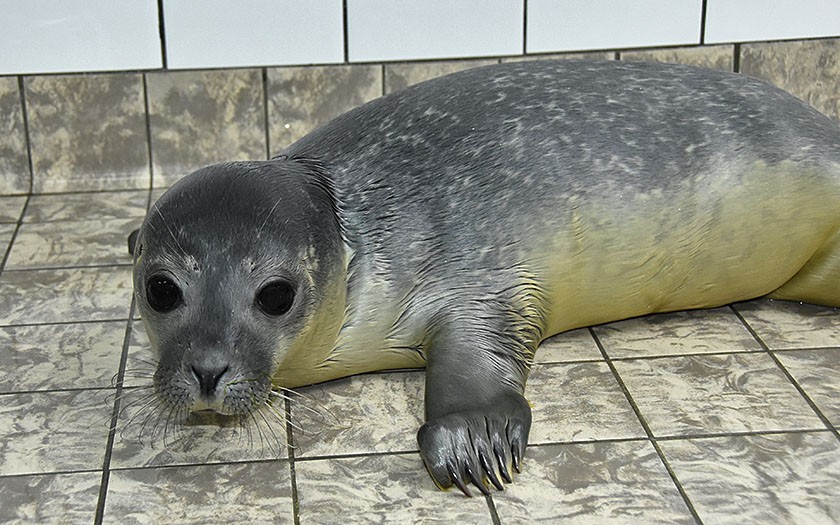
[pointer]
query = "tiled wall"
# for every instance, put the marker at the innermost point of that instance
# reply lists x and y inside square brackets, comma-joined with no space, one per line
[200,81]
[110,131]
[42,36]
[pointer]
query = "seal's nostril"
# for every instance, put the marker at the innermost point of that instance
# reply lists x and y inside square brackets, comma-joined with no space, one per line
[208,378]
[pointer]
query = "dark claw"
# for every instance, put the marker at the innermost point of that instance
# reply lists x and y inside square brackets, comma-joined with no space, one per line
[490,471]
[456,478]
[517,456]
[502,461]
[477,481]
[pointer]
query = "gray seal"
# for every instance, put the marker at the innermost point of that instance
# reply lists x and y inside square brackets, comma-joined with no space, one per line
[458,223]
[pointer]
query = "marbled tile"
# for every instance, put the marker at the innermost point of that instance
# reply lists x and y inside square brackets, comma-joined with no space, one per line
[202,117]
[807,69]
[147,436]
[87,206]
[717,393]
[576,345]
[49,296]
[11,208]
[398,76]
[380,489]
[88,132]
[594,483]
[360,414]
[784,324]
[711,57]
[7,231]
[302,98]
[50,498]
[235,493]
[44,357]
[72,243]
[687,332]
[53,431]
[578,402]
[781,478]
[590,55]
[818,373]
[14,160]
[141,361]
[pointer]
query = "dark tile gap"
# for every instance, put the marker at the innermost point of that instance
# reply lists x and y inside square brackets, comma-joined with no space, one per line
[195,464]
[805,349]
[745,433]
[703,9]
[736,58]
[788,375]
[63,323]
[290,452]
[648,431]
[524,27]
[85,192]
[25,113]
[491,507]
[148,126]
[266,125]
[51,473]
[109,447]
[71,267]
[58,391]
[690,354]
[11,244]
[346,54]
[162,32]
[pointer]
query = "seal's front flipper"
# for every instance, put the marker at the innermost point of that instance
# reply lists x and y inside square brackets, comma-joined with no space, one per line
[477,420]
[132,241]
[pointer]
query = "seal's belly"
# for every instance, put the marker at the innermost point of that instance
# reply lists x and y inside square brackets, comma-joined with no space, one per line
[634,254]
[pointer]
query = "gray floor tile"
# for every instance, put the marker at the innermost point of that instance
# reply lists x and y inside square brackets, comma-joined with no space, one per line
[577,345]
[785,324]
[593,483]
[77,243]
[45,357]
[49,296]
[691,332]
[578,402]
[818,373]
[50,498]
[362,414]
[11,208]
[87,206]
[379,489]
[235,493]
[53,432]
[715,393]
[783,478]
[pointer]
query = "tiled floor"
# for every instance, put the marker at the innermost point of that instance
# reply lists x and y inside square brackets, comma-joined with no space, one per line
[721,416]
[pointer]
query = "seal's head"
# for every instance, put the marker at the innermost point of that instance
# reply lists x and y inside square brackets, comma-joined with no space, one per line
[238,274]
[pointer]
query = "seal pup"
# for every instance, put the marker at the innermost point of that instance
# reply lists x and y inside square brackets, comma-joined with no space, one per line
[457,223]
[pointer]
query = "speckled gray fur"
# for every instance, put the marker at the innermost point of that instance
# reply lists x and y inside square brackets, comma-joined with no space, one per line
[459,222]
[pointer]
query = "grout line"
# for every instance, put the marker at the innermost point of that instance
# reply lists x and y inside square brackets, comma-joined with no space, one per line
[266,126]
[651,437]
[148,122]
[59,323]
[736,58]
[70,267]
[344,26]
[704,8]
[162,33]
[491,506]
[24,108]
[115,414]
[524,27]
[825,421]
[291,455]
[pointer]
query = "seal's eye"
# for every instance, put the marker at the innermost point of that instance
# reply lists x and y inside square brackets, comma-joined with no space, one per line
[276,297]
[163,295]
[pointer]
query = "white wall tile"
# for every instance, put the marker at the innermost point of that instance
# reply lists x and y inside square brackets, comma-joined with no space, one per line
[54,36]
[749,20]
[233,33]
[417,29]
[569,25]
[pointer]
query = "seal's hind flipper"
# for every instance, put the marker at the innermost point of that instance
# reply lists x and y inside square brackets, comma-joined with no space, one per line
[132,241]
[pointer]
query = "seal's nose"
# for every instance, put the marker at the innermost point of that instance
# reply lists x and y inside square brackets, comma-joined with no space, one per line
[208,377]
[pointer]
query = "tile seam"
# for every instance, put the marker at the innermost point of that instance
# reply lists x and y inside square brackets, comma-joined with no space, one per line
[648,431]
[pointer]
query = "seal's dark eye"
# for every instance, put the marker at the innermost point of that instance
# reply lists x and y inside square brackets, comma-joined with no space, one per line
[163,295]
[276,297]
